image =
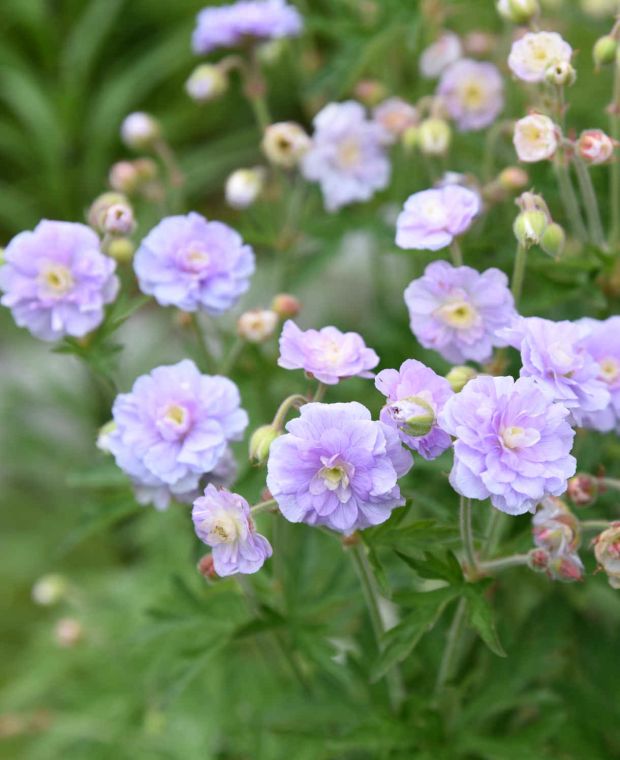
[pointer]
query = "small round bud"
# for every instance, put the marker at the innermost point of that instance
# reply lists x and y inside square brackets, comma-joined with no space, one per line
[595,147]
[206,567]
[433,137]
[244,186]
[604,50]
[111,214]
[607,553]
[513,178]
[140,131]
[206,82]
[120,249]
[124,177]
[409,138]
[147,169]
[538,560]
[478,43]
[285,305]
[553,240]
[561,74]
[50,589]
[414,415]
[459,376]
[529,227]
[582,490]
[518,11]
[260,443]
[68,632]
[370,92]
[285,143]
[257,325]
[103,437]
[568,568]
[395,115]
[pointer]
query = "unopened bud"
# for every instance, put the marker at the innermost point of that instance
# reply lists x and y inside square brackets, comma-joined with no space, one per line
[538,560]
[124,177]
[595,147]
[604,50]
[244,186]
[286,305]
[409,138]
[68,632]
[206,567]
[518,11]
[433,137]
[529,227]
[607,553]
[285,143]
[121,249]
[147,169]
[257,325]
[370,92]
[395,115]
[513,178]
[553,240]
[568,568]
[459,376]
[50,589]
[111,214]
[413,415]
[103,437]
[206,82]
[140,131]
[561,74]
[270,52]
[260,443]
[582,490]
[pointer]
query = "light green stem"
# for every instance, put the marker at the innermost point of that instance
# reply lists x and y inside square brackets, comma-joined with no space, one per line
[263,506]
[610,483]
[456,253]
[569,199]
[495,565]
[296,400]
[466,533]
[320,392]
[207,360]
[518,272]
[494,531]
[595,524]
[448,659]
[614,168]
[595,227]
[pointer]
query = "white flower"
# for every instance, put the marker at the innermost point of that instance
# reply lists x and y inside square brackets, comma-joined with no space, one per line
[244,186]
[438,56]
[535,138]
[257,325]
[535,52]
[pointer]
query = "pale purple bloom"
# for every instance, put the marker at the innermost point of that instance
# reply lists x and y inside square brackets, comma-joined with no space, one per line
[327,354]
[348,156]
[458,311]
[395,116]
[472,92]
[413,392]
[336,467]
[231,25]
[56,281]
[431,219]
[440,54]
[556,355]
[191,263]
[173,428]
[223,521]
[512,445]
[602,342]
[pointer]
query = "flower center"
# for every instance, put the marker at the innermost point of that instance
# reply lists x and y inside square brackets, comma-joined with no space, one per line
[473,96]
[610,370]
[332,352]
[222,528]
[195,258]
[334,477]
[56,279]
[174,422]
[349,153]
[561,358]
[434,213]
[515,437]
[457,314]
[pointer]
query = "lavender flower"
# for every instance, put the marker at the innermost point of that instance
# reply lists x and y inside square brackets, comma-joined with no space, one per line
[327,354]
[395,116]
[602,342]
[347,156]
[230,25]
[458,311]
[473,93]
[56,281]
[190,263]
[336,467]
[555,354]
[440,54]
[513,443]
[431,219]
[416,395]
[223,521]
[173,427]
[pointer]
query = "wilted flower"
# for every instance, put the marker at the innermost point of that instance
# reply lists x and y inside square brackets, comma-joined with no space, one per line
[458,311]
[244,186]
[472,92]
[513,443]
[336,467]
[140,131]
[347,156]
[56,281]
[607,553]
[223,521]
[395,115]
[555,528]
[231,25]
[257,325]
[535,138]
[415,396]
[431,219]
[534,53]
[206,82]
[436,57]
[582,490]
[173,427]
[595,147]
[602,342]
[285,143]
[565,567]
[191,263]
[327,354]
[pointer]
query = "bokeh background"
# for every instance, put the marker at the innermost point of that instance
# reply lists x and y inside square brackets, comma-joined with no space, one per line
[167,666]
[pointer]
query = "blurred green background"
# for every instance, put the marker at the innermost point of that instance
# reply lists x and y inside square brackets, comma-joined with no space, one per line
[168,666]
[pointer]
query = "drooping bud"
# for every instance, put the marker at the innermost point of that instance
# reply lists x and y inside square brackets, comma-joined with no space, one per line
[555,528]
[433,137]
[529,227]
[414,415]
[121,249]
[286,305]
[50,589]
[604,50]
[260,443]
[285,143]
[582,490]
[244,186]
[206,567]
[68,632]
[595,147]
[206,82]
[607,553]
[103,437]
[518,11]
[459,376]
[140,131]
[553,240]
[568,568]
[257,325]
[561,74]
[111,214]
[513,178]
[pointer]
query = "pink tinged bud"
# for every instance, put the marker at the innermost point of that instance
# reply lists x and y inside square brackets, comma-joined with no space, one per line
[568,568]
[539,560]
[286,305]
[370,91]
[118,220]
[68,632]
[513,178]
[140,131]
[257,325]
[595,147]
[206,567]
[582,490]
[124,177]
[607,553]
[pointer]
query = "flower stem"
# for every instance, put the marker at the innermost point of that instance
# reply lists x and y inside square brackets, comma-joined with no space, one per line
[614,169]
[495,565]
[518,272]
[207,360]
[451,650]
[595,524]
[456,253]
[231,357]
[466,534]
[493,533]
[610,483]
[595,228]
[569,199]
[263,506]
[296,400]
[320,392]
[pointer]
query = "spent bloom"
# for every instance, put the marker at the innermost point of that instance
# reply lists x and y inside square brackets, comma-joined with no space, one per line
[257,325]
[223,521]
[555,528]
[557,356]
[458,311]
[56,280]
[191,263]
[534,53]
[431,219]
[395,115]
[337,467]
[535,138]
[347,156]
[285,143]
[231,25]
[512,443]
[472,92]
[436,57]
[595,147]
[173,427]
[602,342]
[607,553]
[415,396]
[327,354]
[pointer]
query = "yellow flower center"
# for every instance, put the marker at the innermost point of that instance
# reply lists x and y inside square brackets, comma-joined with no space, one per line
[334,477]
[176,414]
[56,279]
[472,95]
[349,154]
[610,370]
[458,314]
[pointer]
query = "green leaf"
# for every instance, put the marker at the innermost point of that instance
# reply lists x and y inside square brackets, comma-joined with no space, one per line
[481,619]
[434,567]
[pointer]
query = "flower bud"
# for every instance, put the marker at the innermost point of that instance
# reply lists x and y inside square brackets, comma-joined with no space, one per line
[433,137]
[285,305]
[459,376]
[594,146]
[513,178]
[103,437]
[111,214]
[395,116]
[538,560]
[607,553]
[409,138]
[582,490]
[370,92]
[120,249]
[553,240]
[568,568]
[257,325]
[555,528]
[604,50]
[124,177]
[140,131]
[529,227]
[270,52]
[68,632]
[206,567]
[518,11]
[414,415]
[147,169]
[244,186]
[561,74]
[50,589]
[206,82]
[260,443]
[285,143]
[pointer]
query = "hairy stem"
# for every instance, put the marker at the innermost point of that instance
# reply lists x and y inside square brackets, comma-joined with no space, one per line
[450,652]
[614,167]
[595,227]
[264,506]
[569,199]
[290,402]
[518,272]
[501,563]
[456,253]
[466,533]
